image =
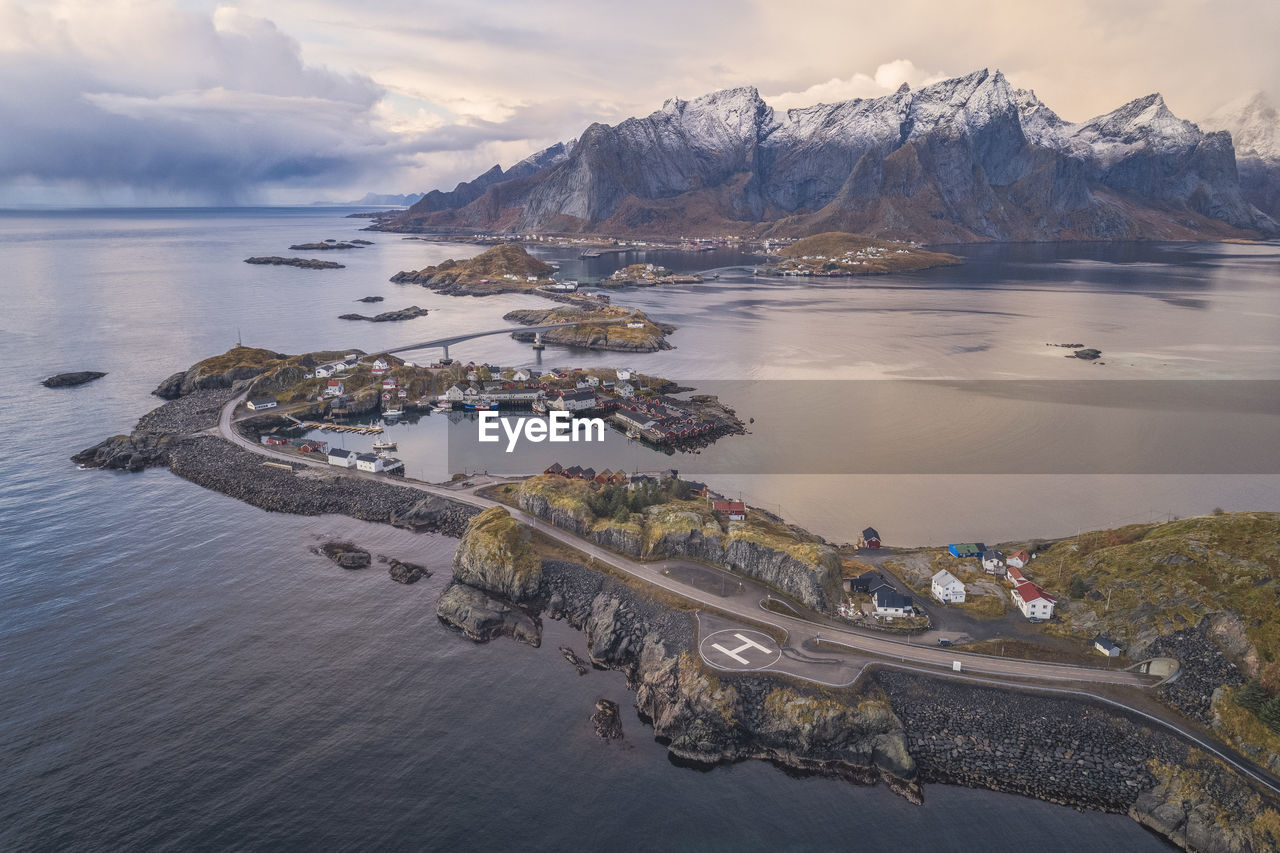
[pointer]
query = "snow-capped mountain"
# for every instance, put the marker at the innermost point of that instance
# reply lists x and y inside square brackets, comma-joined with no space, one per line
[1254,125]
[969,158]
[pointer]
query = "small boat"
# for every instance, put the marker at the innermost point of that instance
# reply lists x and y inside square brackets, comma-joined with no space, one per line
[482,406]
[444,407]
[394,412]
[540,406]
[633,433]
[384,444]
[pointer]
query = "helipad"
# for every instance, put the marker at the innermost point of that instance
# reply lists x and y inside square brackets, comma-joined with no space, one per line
[739,648]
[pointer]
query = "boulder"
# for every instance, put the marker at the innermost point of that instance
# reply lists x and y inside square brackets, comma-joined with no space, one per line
[482,617]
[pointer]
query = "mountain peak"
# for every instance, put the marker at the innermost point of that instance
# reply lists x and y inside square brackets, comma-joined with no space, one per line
[1254,124]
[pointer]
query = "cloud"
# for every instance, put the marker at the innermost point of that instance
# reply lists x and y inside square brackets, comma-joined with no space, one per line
[886,79]
[177,103]
[294,99]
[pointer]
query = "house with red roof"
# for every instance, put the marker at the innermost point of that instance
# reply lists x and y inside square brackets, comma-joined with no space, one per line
[736,510]
[1033,601]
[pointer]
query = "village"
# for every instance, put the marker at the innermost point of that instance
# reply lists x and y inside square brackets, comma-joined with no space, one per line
[875,598]
[330,392]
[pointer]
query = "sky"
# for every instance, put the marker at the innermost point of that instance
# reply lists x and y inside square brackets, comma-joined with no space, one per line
[119,102]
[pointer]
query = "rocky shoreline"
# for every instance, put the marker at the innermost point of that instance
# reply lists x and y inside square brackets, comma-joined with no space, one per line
[900,728]
[176,435]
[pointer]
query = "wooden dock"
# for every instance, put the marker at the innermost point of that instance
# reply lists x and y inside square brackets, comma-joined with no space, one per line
[359,430]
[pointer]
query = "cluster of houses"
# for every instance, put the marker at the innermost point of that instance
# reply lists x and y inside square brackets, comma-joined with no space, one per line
[887,602]
[374,463]
[302,445]
[834,265]
[652,274]
[520,387]
[337,456]
[665,420]
[1032,601]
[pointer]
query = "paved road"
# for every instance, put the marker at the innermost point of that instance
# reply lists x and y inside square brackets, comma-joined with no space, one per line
[802,653]
[800,632]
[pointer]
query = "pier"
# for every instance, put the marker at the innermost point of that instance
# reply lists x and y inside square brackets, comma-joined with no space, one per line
[352,428]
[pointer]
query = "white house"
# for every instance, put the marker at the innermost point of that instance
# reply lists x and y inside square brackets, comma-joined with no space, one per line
[1033,601]
[573,401]
[264,403]
[520,375]
[1106,646]
[891,603]
[453,393]
[948,588]
[342,458]
[992,560]
[379,365]
[470,392]
[635,324]
[625,373]
[624,389]
[334,388]
[348,363]
[370,462]
[324,371]
[1020,560]
[593,381]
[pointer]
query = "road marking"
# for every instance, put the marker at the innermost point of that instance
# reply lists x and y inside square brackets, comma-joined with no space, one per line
[751,653]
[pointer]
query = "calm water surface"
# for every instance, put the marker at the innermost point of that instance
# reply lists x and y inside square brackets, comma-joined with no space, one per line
[178,671]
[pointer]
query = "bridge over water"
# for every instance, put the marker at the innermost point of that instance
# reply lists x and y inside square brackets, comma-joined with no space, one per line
[445,343]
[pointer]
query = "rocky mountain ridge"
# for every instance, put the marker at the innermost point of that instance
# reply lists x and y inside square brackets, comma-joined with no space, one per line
[966,159]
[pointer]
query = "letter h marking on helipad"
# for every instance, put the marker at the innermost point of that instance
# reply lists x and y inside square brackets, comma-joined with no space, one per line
[736,654]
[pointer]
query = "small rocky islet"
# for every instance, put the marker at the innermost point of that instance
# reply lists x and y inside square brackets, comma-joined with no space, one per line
[409,313]
[72,379]
[329,245]
[300,263]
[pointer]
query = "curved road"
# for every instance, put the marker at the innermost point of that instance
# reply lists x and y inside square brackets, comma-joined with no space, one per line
[799,632]
[999,672]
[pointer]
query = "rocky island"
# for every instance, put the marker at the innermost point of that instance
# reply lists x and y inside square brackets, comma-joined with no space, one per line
[388,316]
[505,268]
[69,380]
[838,253]
[301,263]
[598,327]
[328,245]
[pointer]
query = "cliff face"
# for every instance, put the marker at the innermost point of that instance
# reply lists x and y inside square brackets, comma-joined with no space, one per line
[701,717]
[964,159]
[808,572]
[495,556]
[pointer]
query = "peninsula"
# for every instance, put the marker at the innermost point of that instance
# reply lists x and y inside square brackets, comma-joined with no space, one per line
[837,253]
[744,636]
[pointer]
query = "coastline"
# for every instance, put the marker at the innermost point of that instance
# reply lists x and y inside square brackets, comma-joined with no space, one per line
[645,638]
